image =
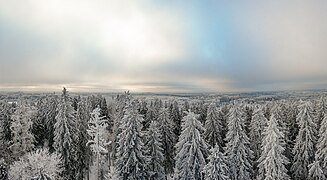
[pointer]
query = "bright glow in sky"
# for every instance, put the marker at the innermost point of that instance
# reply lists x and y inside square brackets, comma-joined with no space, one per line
[162,46]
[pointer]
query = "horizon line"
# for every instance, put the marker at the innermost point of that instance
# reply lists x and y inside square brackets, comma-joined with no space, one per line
[156,93]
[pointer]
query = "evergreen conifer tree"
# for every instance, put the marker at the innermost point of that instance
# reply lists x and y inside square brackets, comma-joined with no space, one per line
[213,127]
[315,171]
[238,152]
[168,137]
[304,148]
[153,149]
[131,161]
[23,139]
[83,151]
[272,161]
[66,135]
[191,149]
[96,130]
[176,117]
[217,168]
[321,110]
[257,125]
[321,153]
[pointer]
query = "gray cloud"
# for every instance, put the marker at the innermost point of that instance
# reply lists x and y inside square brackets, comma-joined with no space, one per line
[164,46]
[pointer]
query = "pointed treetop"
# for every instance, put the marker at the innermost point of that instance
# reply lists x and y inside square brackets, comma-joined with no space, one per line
[64,91]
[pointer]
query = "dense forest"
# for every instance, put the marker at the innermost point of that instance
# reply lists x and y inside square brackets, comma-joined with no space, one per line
[126,136]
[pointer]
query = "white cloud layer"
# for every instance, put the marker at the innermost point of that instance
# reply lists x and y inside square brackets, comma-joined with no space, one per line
[163,46]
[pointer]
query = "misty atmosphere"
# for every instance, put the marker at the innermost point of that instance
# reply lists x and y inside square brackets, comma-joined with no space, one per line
[163,90]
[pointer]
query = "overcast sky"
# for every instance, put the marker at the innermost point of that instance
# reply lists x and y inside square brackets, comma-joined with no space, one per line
[163,46]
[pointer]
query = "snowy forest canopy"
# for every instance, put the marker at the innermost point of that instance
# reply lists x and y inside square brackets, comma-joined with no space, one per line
[262,136]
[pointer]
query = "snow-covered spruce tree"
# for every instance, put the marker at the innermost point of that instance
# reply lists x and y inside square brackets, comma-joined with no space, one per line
[248,113]
[39,129]
[315,171]
[6,110]
[292,126]
[83,151]
[66,135]
[217,168]
[191,149]
[321,153]
[304,149]
[120,103]
[272,161]
[168,137]
[96,130]
[75,101]
[320,111]
[176,117]
[153,149]
[186,106]
[280,111]
[104,107]
[292,131]
[257,125]
[157,106]
[4,119]
[35,165]
[93,102]
[113,174]
[149,117]
[143,107]
[267,108]
[223,118]
[111,111]
[152,113]
[131,162]
[3,170]
[213,127]
[50,119]
[23,139]
[202,107]
[3,115]
[237,150]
